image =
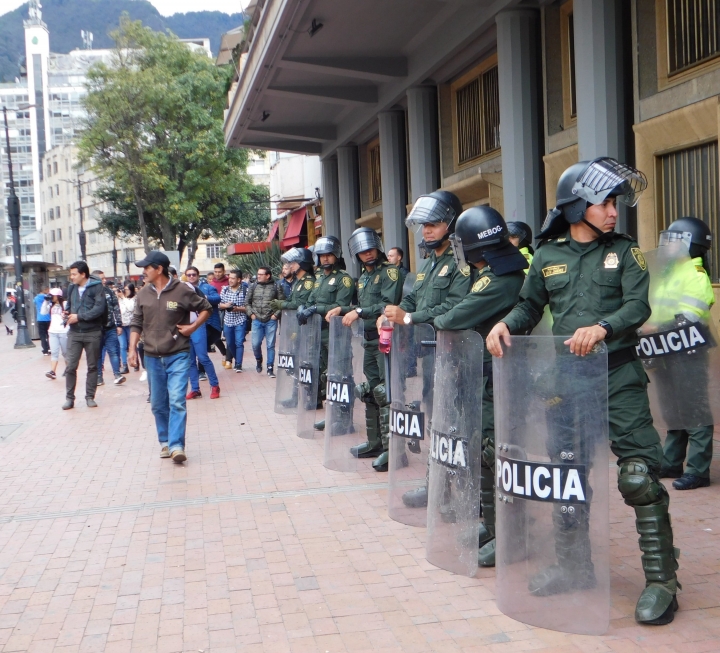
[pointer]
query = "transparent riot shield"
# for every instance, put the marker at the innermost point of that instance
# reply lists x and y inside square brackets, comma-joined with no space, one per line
[286,364]
[412,370]
[678,345]
[308,376]
[552,485]
[344,412]
[453,511]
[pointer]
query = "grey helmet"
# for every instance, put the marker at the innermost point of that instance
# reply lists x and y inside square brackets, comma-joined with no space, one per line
[591,182]
[694,233]
[303,257]
[364,239]
[328,245]
[433,208]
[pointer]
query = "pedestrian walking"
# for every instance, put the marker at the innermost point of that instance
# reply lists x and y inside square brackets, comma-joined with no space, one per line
[162,316]
[86,315]
[57,330]
[232,301]
[264,318]
[9,311]
[126,299]
[111,333]
[43,321]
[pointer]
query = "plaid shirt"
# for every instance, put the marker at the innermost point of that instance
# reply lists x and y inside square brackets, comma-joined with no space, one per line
[227,296]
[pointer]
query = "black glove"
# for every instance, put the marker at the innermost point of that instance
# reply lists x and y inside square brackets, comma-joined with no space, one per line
[304,313]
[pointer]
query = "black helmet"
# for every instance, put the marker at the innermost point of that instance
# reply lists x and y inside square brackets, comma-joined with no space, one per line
[433,208]
[693,231]
[364,239]
[303,257]
[522,231]
[481,234]
[591,182]
[328,245]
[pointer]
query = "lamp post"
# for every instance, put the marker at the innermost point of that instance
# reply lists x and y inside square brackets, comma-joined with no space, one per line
[114,259]
[23,340]
[81,234]
[127,263]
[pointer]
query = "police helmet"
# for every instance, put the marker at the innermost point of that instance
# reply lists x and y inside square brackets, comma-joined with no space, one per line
[364,239]
[328,245]
[522,231]
[693,230]
[303,257]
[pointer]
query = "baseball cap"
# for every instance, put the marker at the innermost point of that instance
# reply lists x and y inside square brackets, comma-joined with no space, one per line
[154,258]
[56,291]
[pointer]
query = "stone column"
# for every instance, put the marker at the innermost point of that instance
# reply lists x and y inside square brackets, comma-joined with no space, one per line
[518,75]
[393,174]
[331,196]
[348,200]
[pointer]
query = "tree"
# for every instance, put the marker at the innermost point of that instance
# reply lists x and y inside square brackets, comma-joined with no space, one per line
[154,135]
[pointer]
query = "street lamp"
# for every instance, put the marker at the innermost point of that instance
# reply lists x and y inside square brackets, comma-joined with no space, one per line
[81,234]
[23,340]
[127,263]
[114,259]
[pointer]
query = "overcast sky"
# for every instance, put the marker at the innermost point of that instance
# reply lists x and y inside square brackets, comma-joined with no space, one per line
[165,7]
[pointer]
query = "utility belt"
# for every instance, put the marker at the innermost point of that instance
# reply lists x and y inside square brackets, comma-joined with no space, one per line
[620,357]
[372,334]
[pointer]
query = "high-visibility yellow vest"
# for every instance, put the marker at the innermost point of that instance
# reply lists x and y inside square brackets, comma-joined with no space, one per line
[529,257]
[684,288]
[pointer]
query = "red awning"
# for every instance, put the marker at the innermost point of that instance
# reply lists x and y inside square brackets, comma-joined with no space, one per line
[247,248]
[273,230]
[295,225]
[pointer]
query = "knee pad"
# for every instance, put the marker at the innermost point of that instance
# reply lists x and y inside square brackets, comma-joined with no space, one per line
[363,392]
[380,395]
[637,486]
[488,453]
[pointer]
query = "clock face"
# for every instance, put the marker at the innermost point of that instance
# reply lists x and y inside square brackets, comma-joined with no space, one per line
[35,40]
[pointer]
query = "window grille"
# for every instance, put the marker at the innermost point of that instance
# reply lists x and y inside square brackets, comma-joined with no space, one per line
[375,180]
[693,28]
[478,116]
[213,251]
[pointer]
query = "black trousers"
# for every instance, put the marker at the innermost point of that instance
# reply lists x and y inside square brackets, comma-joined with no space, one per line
[43,329]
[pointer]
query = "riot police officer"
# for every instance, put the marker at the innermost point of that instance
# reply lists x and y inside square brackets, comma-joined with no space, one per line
[439,285]
[334,288]
[482,238]
[521,236]
[379,284]
[685,290]
[301,265]
[596,283]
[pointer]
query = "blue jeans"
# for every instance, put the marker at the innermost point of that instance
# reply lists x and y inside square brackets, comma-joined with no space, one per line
[198,350]
[110,344]
[167,376]
[235,340]
[266,330]
[124,339]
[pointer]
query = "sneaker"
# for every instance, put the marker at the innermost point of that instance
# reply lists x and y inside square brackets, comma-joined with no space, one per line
[100,381]
[147,401]
[203,377]
[215,392]
[178,456]
[258,367]
[192,394]
[68,405]
[271,371]
[119,379]
[46,353]
[125,370]
[227,364]
[690,482]
[238,369]
[50,375]
[164,452]
[91,403]
[143,376]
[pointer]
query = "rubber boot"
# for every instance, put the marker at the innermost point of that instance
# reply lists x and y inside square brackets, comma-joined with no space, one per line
[342,422]
[418,498]
[658,602]
[373,447]
[574,569]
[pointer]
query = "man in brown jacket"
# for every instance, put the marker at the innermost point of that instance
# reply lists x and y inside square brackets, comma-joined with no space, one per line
[166,314]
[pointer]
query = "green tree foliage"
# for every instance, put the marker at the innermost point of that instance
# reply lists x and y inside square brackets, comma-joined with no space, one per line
[154,135]
[250,263]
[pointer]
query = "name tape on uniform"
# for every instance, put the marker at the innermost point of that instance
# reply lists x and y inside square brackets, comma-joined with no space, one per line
[306,375]
[339,392]
[674,341]
[407,423]
[285,361]
[448,450]
[556,483]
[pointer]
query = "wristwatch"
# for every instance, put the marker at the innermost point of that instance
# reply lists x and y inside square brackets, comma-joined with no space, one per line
[359,311]
[606,325]
[407,319]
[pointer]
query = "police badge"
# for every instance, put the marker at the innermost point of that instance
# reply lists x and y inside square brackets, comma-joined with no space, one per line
[611,261]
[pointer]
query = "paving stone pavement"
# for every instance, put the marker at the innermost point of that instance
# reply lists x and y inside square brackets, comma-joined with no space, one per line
[253,545]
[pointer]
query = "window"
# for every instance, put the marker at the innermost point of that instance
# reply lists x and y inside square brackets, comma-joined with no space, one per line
[211,251]
[51,213]
[55,167]
[130,253]
[690,188]
[60,257]
[69,211]
[52,236]
[476,113]
[57,212]
[57,190]
[59,234]
[693,33]
[51,192]
[49,170]
[374,179]
[69,233]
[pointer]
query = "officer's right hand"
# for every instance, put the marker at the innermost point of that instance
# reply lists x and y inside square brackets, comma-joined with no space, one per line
[332,313]
[498,335]
[275,305]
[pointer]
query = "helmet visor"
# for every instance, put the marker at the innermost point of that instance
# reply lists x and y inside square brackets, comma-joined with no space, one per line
[364,241]
[291,256]
[676,240]
[458,252]
[606,177]
[428,210]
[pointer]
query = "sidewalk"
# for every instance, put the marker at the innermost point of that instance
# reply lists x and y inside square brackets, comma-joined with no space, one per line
[253,545]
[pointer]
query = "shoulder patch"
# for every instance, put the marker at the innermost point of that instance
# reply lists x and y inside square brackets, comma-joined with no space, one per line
[393,274]
[420,276]
[347,282]
[465,271]
[639,258]
[553,270]
[308,284]
[480,284]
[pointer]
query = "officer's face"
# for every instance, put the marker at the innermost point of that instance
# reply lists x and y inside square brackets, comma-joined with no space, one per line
[369,255]
[434,231]
[327,259]
[293,267]
[603,216]
[515,240]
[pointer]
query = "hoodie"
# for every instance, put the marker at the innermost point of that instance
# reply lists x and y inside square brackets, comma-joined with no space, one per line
[91,307]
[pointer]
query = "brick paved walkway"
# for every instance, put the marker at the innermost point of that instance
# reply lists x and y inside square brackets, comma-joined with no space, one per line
[253,545]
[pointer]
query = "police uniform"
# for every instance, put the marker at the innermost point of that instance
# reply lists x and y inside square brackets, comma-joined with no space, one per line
[300,293]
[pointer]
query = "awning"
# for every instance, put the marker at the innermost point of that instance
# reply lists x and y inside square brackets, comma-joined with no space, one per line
[247,248]
[295,225]
[273,230]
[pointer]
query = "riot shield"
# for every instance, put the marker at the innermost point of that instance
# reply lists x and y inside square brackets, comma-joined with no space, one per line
[552,485]
[678,344]
[286,363]
[344,412]
[308,376]
[453,511]
[412,370]
[409,282]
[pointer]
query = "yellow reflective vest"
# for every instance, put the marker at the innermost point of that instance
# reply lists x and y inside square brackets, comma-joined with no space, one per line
[528,256]
[684,288]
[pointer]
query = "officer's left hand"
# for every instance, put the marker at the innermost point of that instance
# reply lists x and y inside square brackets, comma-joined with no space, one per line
[585,338]
[350,318]
[332,313]
[394,314]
